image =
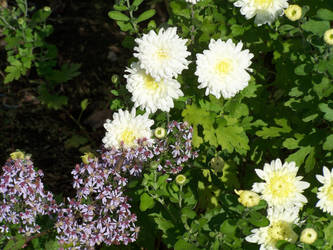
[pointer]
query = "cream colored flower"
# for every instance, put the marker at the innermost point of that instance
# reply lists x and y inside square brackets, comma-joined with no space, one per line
[279,228]
[247,198]
[308,236]
[325,192]
[162,55]
[282,188]
[180,179]
[265,11]
[223,68]
[17,155]
[150,94]
[160,132]
[126,128]
[293,12]
[328,36]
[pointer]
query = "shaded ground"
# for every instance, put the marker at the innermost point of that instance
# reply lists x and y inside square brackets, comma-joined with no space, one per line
[84,34]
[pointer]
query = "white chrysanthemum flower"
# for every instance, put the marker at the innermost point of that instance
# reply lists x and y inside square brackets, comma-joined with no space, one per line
[325,192]
[222,69]
[126,128]
[279,228]
[192,1]
[151,94]
[328,36]
[162,55]
[266,11]
[308,236]
[282,188]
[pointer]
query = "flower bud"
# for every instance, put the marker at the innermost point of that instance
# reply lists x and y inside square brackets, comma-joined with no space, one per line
[17,155]
[47,9]
[308,236]
[85,158]
[160,132]
[293,12]
[154,164]
[180,179]
[114,78]
[20,21]
[217,163]
[328,36]
[247,198]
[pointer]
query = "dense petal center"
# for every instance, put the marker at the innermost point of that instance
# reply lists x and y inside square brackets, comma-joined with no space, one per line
[281,186]
[224,66]
[329,193]
[162,54]
[128,137]
[279,230]
[150,83]
[263,4]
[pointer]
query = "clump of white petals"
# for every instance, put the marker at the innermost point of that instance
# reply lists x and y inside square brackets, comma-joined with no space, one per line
[150,94]
[126,128]
[265,11]
[279,228]
[325,192]
[222,69]
[162,55]
[192,1]
[282,188]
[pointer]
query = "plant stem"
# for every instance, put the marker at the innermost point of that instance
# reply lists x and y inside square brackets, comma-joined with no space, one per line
[131,16]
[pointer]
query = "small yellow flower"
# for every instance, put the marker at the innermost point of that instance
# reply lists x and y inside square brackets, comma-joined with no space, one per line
[47,8]
[308,236]
[328,36]
[17,155]
[160,132]
[247,198]
[85,158]
[180,179]
[293,12]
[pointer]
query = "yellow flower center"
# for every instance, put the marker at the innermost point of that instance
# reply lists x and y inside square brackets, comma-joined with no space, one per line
[162,54]
[263,4]
[128,137]
[330,193]
[150,83]
[279,230]
[281,186]
[223,67]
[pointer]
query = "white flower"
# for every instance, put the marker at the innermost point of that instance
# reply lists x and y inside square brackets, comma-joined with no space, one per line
[192,1]
[279,228]
[266,11]
[151,94]
[282,188]
[328,36]
[162,55]
[325,192]
[308,236]
[126,128]
[222,69]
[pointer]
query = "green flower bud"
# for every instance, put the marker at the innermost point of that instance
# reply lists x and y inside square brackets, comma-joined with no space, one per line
[20,21]
[47,9]
[217,163]
[17,155]
[115,78]
[247,198]
[160,132]
[85,158]
[180,179]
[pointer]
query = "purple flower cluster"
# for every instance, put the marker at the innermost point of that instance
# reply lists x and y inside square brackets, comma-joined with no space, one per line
[22,197]
[128,161]
[100,210]
[178,142]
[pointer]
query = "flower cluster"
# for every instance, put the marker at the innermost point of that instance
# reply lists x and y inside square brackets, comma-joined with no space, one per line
[22,195]
[100,211]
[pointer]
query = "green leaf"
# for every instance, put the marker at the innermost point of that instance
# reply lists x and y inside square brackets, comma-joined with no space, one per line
[310,161]
[183,245]
[84,104]
[146,202]
[75,141]
[180,9]
[145,16]
[328,144]
[299,155]
[136,3]
[327,110]
[228,228]
[325,14]
[258,220]
[188,212]
[52,245]
[328,231]
[53,101]
[316,27]
[162,223]
[118,16]
[120,7]
[66,73]
[271,132]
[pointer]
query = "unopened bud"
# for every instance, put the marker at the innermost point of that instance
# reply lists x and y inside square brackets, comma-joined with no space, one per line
[160,132]
[154,164]
[17,155]
[180,179]
[328,36]
[248,198]
[293,12]
[308,236]
[20,21]
[115,78]
[217,163]
[47,9]
[85,158]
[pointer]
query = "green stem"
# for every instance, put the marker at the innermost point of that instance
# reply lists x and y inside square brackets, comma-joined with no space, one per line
[131,16]
[180,196]
[6,23]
